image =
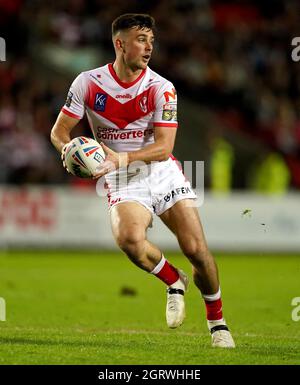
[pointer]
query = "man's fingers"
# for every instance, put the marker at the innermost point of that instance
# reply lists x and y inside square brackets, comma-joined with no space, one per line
[65,166]
[63,156]
[100,174]
[106,149]
[104,168]
[97,176]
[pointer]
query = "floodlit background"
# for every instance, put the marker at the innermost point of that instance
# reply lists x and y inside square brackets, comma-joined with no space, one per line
[70,297]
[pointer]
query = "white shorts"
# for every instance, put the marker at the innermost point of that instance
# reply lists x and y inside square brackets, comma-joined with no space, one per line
[157,186]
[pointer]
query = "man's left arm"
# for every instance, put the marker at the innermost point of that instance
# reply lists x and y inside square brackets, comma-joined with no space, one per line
[159,151]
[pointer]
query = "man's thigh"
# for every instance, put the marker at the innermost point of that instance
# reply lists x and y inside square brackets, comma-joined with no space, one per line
[129,219]
[184,221]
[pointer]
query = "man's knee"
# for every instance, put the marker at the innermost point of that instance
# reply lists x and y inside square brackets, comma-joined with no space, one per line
[131,242]
[195,249]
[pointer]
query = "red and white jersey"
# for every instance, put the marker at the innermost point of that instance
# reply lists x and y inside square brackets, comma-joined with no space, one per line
[123,115]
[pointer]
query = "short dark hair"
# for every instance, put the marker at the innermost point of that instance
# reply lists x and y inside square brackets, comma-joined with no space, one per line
[131,20]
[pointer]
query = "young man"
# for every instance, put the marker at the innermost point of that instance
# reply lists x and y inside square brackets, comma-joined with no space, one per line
[132,112]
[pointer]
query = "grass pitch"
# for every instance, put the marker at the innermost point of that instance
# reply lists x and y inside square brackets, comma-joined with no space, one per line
[98,308]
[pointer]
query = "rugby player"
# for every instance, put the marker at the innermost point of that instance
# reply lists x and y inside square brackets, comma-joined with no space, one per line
[132,113]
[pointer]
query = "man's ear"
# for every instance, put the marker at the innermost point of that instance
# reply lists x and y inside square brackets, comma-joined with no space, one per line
[119,44]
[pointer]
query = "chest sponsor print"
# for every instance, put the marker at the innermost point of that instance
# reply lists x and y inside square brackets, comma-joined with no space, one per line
[100,101]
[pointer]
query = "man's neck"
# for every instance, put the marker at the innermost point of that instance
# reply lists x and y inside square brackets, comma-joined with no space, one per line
[124,73]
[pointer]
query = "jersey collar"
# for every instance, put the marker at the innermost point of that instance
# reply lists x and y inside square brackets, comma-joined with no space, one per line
[124,84]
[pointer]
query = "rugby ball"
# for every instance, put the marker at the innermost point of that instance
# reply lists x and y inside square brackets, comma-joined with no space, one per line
[83,156]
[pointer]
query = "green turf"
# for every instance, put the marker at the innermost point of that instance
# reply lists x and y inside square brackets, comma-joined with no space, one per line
[65,308]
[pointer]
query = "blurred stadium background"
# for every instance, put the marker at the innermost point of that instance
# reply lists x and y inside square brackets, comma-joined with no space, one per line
[239,112]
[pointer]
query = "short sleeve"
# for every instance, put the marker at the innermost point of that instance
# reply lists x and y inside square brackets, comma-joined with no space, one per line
[165,114]
[74,105]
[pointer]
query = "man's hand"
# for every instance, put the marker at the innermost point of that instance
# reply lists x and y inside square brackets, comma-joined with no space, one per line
[113,161]
[63,156]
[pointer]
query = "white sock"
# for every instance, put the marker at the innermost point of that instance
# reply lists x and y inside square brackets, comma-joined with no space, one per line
[159,266]
[178,285]
[211,324]
[212,297]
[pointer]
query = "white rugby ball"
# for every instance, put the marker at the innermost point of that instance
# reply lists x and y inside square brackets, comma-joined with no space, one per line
[83,155]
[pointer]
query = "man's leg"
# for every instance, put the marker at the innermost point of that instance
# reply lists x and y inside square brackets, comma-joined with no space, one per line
[129,222]
[184,221]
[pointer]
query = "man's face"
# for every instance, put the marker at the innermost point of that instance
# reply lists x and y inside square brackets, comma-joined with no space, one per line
[137,47]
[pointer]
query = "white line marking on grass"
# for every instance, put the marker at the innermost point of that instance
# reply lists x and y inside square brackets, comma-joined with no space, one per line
[178,333]
[67,332]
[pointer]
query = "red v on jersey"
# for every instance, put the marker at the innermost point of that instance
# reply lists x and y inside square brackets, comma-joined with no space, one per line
[133,110]
[121,114]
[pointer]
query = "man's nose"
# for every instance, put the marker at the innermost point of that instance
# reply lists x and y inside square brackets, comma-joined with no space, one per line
[149,47]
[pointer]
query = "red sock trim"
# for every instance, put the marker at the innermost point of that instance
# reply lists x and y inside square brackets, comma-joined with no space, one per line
[214,310]
[168,274]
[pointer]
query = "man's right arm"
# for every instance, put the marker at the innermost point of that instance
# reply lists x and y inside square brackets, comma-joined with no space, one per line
[70,114]
[60,133]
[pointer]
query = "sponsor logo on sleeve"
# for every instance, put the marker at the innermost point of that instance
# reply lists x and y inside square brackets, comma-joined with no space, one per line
[170,106]
[169,112]
[100,102]
[170,95]
[69,99]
